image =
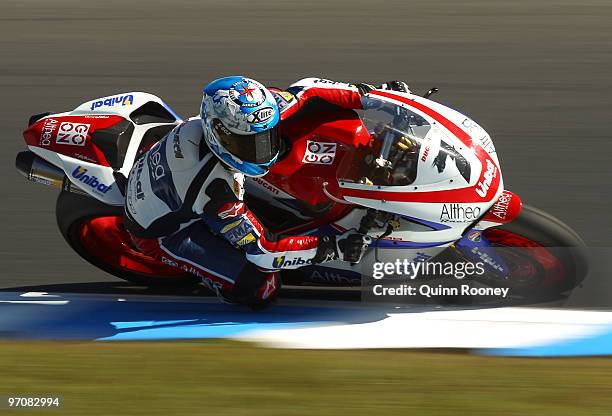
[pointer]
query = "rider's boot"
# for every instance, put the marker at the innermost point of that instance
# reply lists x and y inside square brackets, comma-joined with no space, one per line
[267,293]
[255,288]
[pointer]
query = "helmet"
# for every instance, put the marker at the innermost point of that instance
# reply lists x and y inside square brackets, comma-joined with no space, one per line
[240,122]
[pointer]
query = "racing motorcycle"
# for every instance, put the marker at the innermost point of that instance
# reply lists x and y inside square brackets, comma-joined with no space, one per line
[422,179]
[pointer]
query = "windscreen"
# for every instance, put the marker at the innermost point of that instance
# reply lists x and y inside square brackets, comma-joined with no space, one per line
[398,134]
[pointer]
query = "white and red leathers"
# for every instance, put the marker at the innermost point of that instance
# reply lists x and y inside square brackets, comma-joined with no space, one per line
[179,190]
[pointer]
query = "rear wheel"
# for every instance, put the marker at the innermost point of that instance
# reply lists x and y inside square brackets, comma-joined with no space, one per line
[96,232]
[545,256]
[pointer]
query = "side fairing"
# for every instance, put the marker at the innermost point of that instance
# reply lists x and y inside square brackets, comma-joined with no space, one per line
[96,180]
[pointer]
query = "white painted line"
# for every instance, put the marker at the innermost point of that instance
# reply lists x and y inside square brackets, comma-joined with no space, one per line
[482,328]
[37,302]
[38,295]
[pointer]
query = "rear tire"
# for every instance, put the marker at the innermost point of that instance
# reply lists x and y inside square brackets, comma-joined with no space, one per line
[75,213]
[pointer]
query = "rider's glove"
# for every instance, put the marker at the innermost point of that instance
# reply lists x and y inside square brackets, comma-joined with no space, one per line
[364,88]
[399,86]
[349,246]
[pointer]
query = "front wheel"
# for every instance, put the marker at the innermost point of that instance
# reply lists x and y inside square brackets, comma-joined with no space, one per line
[545,256]
[96,232]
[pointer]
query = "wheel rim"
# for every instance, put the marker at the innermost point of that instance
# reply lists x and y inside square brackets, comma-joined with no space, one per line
[530,262]
[106,239]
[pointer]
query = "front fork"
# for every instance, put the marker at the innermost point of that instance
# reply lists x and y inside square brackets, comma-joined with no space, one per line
[475,247]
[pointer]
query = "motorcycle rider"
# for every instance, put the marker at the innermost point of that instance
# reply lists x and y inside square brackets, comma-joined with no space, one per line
[187,190]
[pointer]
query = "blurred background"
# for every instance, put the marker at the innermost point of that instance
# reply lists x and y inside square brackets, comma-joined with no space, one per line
[535,74]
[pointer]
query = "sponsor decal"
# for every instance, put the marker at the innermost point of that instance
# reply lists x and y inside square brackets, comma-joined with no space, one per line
[281,262]
[500,208]
[425,153]
[319,153]
[231,210]
[261,115]
[47,131]
[176,144]
[487,144]
[270,286]
[230,226]
[422,257]
[83,157]
[487,259]
[474,235]
[236,231]
[332,278]
[238,185]
[391,238]
[282,98]
[43,181]
[426,149]
[113,101]
[211,284]
[459,213]
[483,186]
[138,172]
[218,125]
[247,239]
[266,185]
[395,223]
[156,167]
[93,182]
[475,130]
[286,95]
[327,81]
[160,174]
[72,134]
[447,151]
[169,262]
[246,94]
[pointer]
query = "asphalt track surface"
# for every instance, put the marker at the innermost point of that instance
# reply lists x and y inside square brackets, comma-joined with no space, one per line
[536,74]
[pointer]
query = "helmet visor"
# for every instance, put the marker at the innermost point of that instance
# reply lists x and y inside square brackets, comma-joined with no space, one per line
[255,148]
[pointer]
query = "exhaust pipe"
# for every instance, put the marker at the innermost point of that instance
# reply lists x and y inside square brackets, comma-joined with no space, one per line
[38,170]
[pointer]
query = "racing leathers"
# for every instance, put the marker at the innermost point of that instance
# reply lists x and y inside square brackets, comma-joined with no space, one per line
[183,197]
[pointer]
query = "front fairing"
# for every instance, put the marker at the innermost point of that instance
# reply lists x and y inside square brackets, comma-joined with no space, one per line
[434,154]
[449,174]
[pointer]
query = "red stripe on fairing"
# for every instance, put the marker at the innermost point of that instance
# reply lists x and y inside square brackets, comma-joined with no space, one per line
[467,194]
[297,243]
[452,127]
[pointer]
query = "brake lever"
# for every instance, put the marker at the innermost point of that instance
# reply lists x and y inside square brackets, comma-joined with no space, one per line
[431,92]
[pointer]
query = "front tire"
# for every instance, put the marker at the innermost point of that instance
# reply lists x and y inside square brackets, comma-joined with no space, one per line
[545,256]
[96,232]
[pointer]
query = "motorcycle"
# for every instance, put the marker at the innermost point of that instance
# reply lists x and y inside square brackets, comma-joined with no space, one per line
[423,180]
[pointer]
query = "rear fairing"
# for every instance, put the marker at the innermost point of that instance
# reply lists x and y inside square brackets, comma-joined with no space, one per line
[100,139]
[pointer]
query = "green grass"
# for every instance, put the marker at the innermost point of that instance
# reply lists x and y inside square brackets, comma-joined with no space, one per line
[229,378]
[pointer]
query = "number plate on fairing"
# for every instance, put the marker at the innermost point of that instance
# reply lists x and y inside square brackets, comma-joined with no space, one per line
[319,153]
